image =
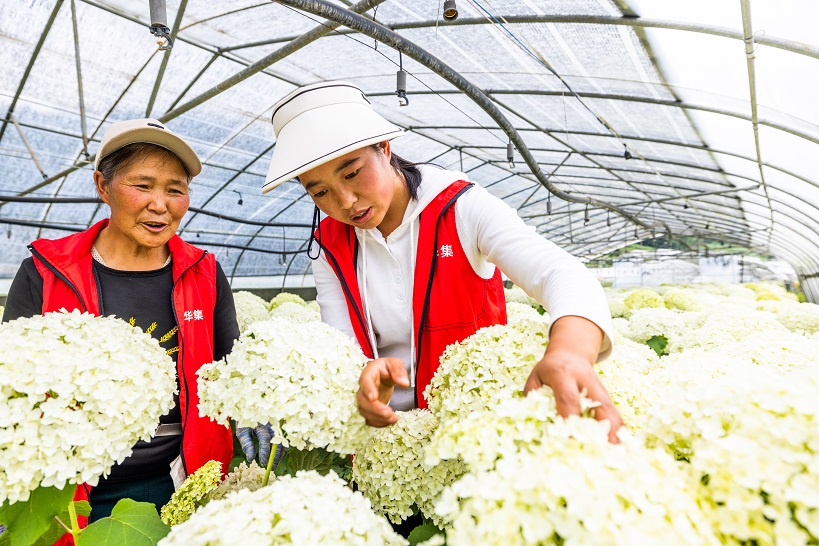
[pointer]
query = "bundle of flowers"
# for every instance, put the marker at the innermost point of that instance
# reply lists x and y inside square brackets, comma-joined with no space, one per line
[313,304]
[306,509]
[295,312]
[285,297]
[487,367]
[390,470]
[193,493]
[749,433]
[250,308]
[516,312]
[538,479]
[76,393]
[303,381]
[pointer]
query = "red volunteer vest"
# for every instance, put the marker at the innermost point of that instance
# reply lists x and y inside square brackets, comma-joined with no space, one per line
[450,301]
[68,282]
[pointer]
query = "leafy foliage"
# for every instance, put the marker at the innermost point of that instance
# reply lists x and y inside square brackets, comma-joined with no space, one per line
[131,524]
[29,520]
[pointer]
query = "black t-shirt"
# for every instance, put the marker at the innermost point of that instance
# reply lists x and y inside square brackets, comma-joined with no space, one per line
[142,298]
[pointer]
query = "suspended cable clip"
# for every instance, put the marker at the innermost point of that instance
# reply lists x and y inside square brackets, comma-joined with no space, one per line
[549,204]
[159,25]
[627,154]
[240,197]
[586,215]
[608,219]
[450,10]
[510,154]
[401,87]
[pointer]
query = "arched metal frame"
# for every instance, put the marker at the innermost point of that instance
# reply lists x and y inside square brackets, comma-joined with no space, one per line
[701,213]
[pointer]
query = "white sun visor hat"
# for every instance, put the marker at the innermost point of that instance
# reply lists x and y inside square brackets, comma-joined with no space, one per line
[320,122]
[122,133]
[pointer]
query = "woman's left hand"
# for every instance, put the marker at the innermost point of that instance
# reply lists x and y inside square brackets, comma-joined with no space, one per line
[567,367]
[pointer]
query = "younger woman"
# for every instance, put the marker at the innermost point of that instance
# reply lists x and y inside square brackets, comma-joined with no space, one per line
[410,255]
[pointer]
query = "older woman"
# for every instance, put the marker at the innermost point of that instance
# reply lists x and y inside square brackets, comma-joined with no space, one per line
[134,266]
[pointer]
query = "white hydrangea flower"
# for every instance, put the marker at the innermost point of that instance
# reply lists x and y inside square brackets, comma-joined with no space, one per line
[618,308]
[250,308]
[313,304]
[540,479]
[285,297]
[625,375]
[489,366]
[796,317]
[302,379]
[390,470]
[749,431]
[516,312]
[655,321]
[244,476]
[307,509]
[295,312]
[681,299]
[517,295]
[727,324]
[76,393]
[642,298]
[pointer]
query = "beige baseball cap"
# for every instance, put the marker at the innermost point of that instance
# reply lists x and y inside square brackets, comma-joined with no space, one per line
[123,133]
[320,122]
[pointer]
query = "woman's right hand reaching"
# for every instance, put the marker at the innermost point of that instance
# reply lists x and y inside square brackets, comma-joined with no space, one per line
[375,386]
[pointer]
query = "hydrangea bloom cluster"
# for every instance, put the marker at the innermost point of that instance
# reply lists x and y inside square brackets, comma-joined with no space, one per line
[681,299]
[516,312]
[487,367]
[76,393]
[724,325]
[193,493]
[540,479]
[390,471]
[303,381]
[626,375]
[642,298]
[750,433]
[244,476]
[655,321]
[249,309]
[285,297]
[306,509]
[796,317]
[295,312]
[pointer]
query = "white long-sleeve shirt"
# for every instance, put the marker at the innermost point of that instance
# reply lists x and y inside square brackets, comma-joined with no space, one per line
[491,234]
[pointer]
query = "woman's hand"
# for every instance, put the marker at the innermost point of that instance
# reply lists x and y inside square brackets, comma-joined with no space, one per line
[567,367]
[375,386]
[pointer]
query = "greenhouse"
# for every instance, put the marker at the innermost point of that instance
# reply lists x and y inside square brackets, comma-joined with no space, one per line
[643,173]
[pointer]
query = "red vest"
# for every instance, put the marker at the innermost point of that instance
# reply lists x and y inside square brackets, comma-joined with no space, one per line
[68,282]
[450,301]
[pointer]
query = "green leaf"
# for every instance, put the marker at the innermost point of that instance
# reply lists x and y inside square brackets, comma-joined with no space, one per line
[27,521]
[317,459]
[422,533]
[131,523]
[55,531]
[658,344]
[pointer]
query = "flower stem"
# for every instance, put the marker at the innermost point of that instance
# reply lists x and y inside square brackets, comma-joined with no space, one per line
[269,468]
[75,524]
